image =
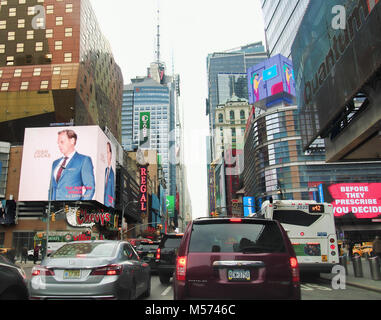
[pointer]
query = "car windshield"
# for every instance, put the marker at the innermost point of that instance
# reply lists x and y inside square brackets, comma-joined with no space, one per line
[236,237]
[88,250]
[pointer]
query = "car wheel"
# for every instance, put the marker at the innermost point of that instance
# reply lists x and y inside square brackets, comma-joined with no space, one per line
[132,293]
[164,278]
[147,293]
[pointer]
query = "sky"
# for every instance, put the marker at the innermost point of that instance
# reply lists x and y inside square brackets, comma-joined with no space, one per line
[189,31]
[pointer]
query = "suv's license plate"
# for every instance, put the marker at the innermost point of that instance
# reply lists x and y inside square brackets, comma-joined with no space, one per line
[72,274]
[238,275]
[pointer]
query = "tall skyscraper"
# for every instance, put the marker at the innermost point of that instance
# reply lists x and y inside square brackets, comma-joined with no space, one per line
[55,67]
[282,19]
[227,78]
[145,95]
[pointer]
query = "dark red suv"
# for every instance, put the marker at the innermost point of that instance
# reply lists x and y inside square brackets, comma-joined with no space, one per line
[236,258]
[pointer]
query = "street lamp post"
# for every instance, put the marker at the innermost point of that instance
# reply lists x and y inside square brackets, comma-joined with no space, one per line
[124,207]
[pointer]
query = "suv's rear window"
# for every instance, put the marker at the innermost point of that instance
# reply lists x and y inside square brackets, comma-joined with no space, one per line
[172,242]
[236,237]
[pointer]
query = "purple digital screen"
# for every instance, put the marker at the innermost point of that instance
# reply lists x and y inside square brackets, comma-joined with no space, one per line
[270,77]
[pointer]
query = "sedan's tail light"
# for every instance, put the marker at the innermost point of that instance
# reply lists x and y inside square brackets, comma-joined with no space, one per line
[42,271]
[294,270]
[181,268]
[110,270]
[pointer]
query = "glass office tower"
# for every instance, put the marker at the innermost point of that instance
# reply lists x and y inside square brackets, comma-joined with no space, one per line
[147,95]
[282,19]
[227,77]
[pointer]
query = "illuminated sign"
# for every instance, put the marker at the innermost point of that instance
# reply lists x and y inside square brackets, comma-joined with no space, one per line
[143,189]
[268,80]
[75,163]
[144,126]
[357,200]
[316,208]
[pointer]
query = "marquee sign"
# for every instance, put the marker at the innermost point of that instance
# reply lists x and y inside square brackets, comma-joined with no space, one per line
[143,189]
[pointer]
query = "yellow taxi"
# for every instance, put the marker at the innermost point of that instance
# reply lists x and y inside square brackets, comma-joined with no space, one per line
[363,250]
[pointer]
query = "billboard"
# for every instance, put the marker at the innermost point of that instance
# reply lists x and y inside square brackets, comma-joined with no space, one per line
[248,206]
[271,80]
[68,164]
[333,61]
[353,200]
[144,129]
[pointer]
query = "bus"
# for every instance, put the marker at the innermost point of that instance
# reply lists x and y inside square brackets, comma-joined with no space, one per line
[311,229]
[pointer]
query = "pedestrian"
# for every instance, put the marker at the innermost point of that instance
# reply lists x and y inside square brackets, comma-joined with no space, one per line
[35,253]
[377,247]
[24,254]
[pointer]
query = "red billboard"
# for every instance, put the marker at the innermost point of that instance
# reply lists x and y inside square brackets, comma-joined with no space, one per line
[361,200]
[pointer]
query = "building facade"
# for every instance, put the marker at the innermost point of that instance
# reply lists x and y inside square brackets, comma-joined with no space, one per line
[227,77]
[281,20]
[55,67]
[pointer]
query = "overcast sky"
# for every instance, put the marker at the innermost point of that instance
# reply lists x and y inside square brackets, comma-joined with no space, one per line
[189,31]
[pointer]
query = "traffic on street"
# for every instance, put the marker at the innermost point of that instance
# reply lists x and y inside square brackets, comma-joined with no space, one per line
[170,152]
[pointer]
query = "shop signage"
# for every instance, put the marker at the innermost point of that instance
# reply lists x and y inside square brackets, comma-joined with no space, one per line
[84,218]
[99,217]
[143,189]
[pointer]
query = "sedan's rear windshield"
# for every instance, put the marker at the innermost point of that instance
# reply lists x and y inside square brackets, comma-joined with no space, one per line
[88,250]
[237,237]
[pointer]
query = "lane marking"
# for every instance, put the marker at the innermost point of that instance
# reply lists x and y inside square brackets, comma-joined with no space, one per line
[165,292]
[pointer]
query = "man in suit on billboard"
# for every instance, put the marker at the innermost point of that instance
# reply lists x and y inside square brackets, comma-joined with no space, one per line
[72,176]
[109,194]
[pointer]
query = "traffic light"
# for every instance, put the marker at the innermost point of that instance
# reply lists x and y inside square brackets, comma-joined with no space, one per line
[66,208]
[53,217]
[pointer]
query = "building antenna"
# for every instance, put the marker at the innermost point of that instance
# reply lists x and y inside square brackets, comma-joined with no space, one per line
[158,33]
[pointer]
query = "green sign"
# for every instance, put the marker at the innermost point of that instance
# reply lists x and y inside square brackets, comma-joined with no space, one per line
[170,203]
[144,129]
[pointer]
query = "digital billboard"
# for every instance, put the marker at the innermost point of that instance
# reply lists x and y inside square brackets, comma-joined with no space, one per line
[144,129]
[353,200]
[68,164]
[335,52]
[271,78]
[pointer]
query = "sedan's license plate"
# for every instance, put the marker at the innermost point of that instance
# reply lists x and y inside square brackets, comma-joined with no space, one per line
[72,274]
[238,275]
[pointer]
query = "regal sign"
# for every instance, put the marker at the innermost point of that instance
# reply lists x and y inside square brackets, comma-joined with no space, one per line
[143,189]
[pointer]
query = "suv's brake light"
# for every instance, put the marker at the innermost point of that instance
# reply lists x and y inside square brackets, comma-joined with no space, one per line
[181,265]
[235,220]
[158,254]
[294,270]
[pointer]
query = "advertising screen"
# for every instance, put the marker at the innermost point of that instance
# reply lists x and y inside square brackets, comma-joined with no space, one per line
[68,164]
[270,77]
[353,200]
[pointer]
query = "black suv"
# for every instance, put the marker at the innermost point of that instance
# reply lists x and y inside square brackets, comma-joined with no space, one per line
[166,255]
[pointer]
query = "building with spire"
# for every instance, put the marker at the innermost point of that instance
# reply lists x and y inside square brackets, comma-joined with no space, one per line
[156,96]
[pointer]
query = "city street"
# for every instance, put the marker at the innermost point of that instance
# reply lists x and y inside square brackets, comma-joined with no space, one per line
[311,289]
